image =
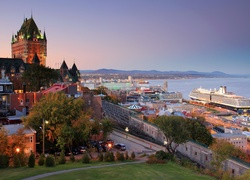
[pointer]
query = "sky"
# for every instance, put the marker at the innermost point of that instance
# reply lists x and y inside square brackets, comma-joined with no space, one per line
[163,35]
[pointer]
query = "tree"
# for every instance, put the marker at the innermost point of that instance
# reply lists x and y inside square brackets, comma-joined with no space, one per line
[37,76]
[63,115]
[175,129]
[223,150]
[107,127]
[199,132]
[3,141]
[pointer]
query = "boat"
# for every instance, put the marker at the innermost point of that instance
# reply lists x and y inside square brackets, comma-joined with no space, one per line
[221,98]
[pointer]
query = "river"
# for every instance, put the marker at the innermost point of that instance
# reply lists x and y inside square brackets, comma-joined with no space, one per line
[240,86]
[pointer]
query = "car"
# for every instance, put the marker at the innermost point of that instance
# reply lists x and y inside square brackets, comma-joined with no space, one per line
[120,146]
[82,149]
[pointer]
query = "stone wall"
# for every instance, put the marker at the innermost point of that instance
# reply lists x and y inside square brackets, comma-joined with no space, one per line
[193,150]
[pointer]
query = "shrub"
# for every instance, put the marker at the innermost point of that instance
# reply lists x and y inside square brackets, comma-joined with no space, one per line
[118,155]
[154,160]
[41,160]
[31,162]
[4,161]
[62,158]
[126,155]
[100,157]
[50,161]
[111,157]
[72,158]
[19,159]
[161,155]
[85,158]
[16,160]
[106,157]
[132,155]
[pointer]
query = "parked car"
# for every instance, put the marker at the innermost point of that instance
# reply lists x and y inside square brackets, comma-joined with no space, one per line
[120,146]
[82,149]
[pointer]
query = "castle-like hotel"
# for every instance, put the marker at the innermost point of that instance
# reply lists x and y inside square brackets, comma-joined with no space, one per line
[29,46]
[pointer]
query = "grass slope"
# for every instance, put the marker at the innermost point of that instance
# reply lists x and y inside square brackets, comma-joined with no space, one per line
[136,171]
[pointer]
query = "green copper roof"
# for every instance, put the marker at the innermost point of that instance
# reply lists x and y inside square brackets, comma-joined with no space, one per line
[30,30]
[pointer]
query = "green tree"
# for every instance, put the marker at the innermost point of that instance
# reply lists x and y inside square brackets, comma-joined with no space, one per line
[199,132]
[107,127]
[31,162]
[37,76]
[66,118]
[175,129]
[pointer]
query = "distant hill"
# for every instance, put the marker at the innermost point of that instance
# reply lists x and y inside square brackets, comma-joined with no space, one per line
[153,74]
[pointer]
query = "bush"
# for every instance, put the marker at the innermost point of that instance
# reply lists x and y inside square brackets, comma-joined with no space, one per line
[132,155]
[19,160]
[31,162]
[161,155]
[100,157]
[111,156]
[4,161]
[16,160]
[126,155]
[72,158]
[85,158]
[154,160]
[41,160]
[62,158]
[119,156]
[50,161]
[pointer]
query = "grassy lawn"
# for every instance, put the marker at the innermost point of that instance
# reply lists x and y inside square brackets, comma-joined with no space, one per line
[136,171]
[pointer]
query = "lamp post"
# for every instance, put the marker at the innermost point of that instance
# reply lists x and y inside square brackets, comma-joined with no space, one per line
[44,122]
[127,130]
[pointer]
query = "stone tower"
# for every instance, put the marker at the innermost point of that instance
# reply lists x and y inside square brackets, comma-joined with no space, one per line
[29,42]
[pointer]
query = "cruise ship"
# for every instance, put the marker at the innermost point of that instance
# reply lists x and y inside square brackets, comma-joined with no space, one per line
[220,97]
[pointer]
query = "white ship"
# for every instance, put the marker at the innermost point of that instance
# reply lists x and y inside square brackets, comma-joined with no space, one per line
[220,97]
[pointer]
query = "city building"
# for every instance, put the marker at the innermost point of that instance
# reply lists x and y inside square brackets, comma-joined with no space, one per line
[29,42]
[233,136]
[69,75]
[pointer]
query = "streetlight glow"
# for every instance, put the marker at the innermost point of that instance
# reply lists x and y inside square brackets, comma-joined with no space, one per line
[44,122]
[17,150]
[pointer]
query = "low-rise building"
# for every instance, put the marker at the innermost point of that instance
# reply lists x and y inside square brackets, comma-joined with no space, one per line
[29,133]
[234,136]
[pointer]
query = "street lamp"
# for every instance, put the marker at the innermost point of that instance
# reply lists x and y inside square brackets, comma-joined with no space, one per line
[44,122]
[127,130]
[17,150]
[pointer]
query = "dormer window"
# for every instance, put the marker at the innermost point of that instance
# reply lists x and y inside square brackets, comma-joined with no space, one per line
[12,70]
[21,69]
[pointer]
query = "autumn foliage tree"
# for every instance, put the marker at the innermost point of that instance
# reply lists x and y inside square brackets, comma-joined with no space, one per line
[223,150]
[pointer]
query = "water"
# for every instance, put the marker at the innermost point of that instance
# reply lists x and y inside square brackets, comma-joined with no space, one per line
[240,86]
